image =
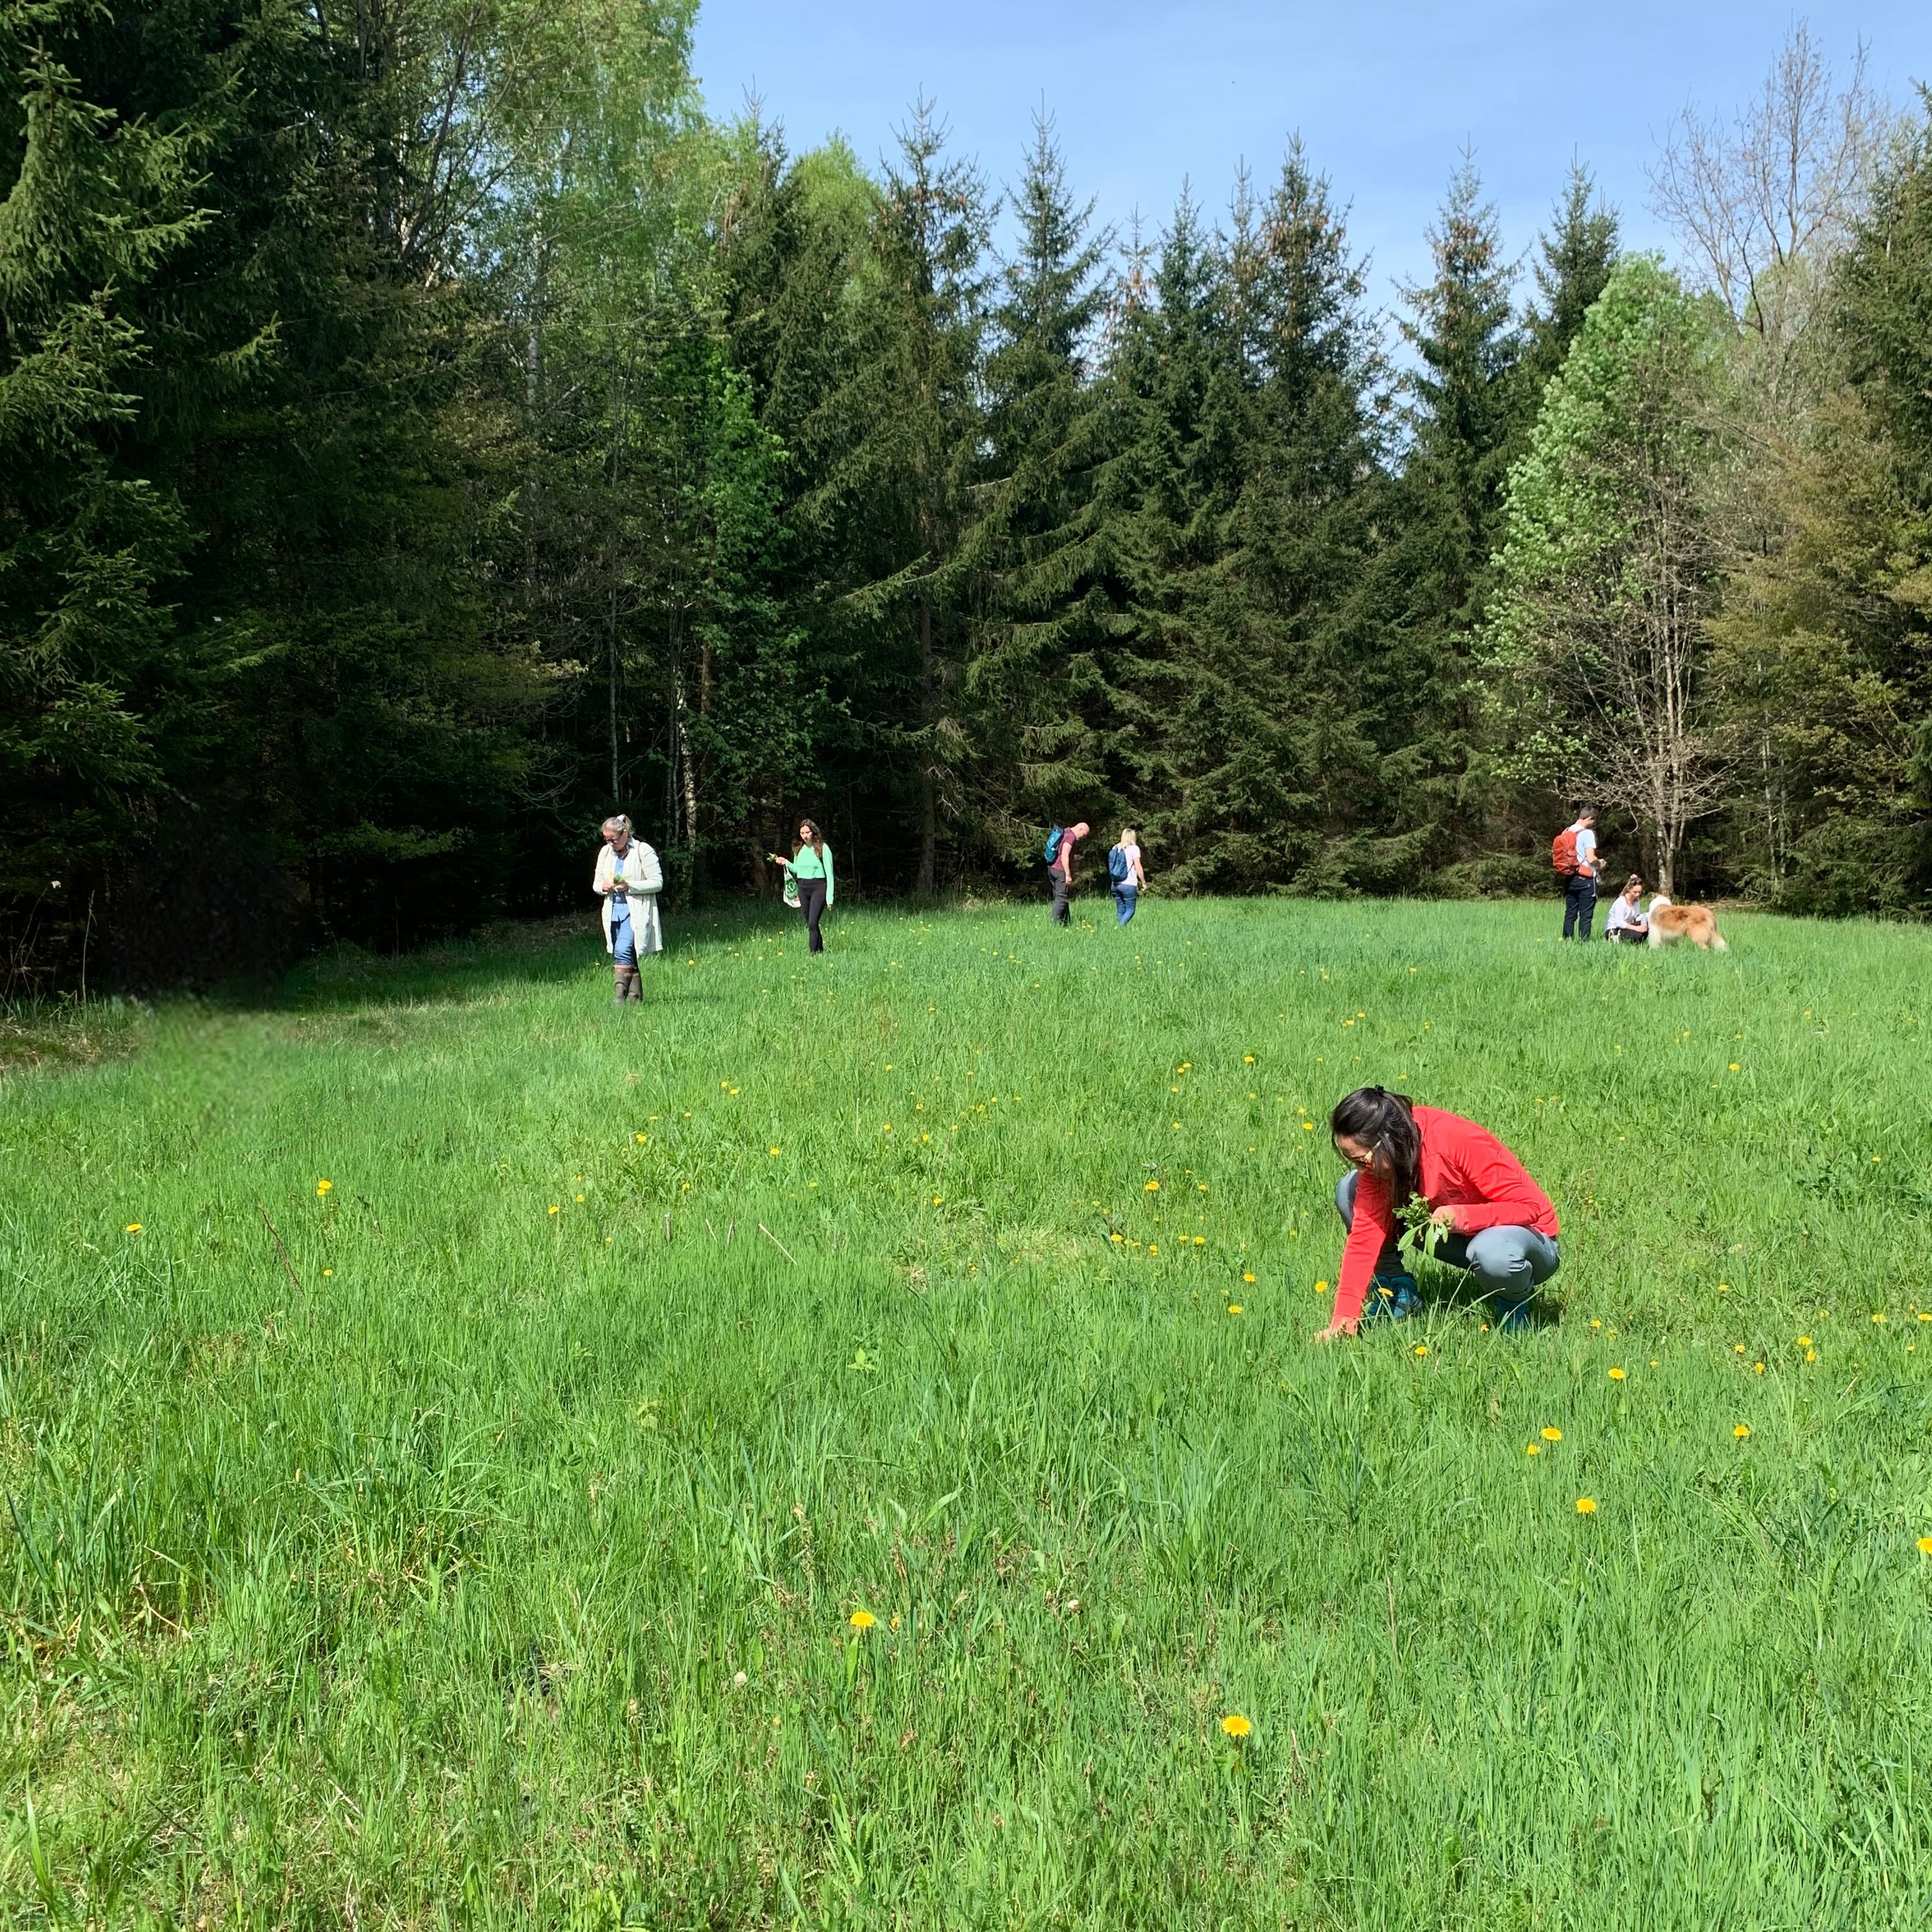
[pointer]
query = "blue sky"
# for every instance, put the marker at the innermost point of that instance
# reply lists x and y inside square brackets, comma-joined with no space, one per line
[1386,94]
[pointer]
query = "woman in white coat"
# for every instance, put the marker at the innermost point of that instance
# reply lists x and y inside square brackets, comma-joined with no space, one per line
[627,879]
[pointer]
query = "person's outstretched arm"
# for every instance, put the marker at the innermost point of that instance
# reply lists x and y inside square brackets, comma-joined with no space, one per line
[1369,1234]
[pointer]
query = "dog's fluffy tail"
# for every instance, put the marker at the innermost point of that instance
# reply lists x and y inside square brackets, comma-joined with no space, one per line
[1717,943]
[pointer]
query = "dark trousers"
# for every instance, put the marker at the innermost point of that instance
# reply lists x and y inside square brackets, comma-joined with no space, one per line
[1579,906]
[811,903]
[1062,887]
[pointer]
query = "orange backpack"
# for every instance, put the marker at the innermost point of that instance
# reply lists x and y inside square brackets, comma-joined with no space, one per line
[1563,853]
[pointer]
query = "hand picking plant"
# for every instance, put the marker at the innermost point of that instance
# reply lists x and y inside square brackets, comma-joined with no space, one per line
[1420,1236]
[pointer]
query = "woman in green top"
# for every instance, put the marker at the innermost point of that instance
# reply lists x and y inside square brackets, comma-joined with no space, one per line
[810,866]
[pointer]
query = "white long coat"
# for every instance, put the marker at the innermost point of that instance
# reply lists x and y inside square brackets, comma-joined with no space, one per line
[643,877]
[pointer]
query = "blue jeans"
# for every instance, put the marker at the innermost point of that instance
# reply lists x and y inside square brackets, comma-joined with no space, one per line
[623,935]
[1509,1264]
[1579,904]
[1125,898]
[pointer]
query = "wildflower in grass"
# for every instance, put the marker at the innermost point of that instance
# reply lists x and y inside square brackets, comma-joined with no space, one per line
[773,1152]
[1723,1287]
[1247,1059]
[1201,1240]
[1594,1323]
[1805,1341]
[639,1139]
[1810,1355]
[321,1187]
[1248,1279]
[554,1209]
[1879,1316]
[1321,1288]
[939,1200]
[580,1200]
[1154,1248]
[862,1620]
[1234,1308]
[1118,1239]
[1152,1187]
[1235,1725]
[134,1227]
[1757,1368]
[327,1274]
[889,1126]
[1586,1505]
[1742,1431]
[1616,1375]
[1422,1347]
[1925,1546]
[1532,1448]
[1734,1066]
[1552,1435]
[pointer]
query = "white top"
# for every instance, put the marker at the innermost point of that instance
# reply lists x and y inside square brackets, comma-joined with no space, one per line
[1135,877]
[1623,912]
[1586,849]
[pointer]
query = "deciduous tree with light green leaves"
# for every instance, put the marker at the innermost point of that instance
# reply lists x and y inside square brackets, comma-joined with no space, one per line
[1597,657]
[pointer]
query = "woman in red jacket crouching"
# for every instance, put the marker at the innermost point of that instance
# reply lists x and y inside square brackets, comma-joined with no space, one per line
[1498,1224]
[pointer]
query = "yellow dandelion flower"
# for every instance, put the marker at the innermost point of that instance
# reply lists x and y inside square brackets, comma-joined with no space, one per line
[639,1139]
[553,1208]
[1757,1368]
[1810,1355]
[862,1620]
[1925,1546]
[1594,1323]
[322,1186]
[1234,1308]
[1734,1066]
[1723,1287]
[1248,1279]
[1117,1238]
[1586,1505]
[1422,1347]
[1321,1288]
[1247,1059]
[1742,1430]
[134,1227]
[1308,1127]
[1879,1316]
[1616,1375]
[580,1200]
[1552,1435]
[773,1152]
[939,1200]
[1532,1448]
[1201,1240]
[1152,1187]
[1154,1247]
[1805,1341]
[327,1274]
[1235,1725]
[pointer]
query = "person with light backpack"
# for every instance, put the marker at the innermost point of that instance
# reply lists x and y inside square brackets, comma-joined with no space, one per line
[1125,870]
[1573,852]
[1060,842]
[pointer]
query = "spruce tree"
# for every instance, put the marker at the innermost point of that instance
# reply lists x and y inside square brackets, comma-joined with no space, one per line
[1038,551]
[1577,253]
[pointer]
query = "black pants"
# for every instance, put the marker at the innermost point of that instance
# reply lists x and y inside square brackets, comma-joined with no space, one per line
[1579,906]
[811,903]
[1062,886]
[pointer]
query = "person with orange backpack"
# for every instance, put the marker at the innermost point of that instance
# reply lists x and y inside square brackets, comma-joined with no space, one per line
[1574,853]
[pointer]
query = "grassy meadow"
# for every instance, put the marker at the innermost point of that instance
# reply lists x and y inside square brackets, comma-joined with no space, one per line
[839,1444]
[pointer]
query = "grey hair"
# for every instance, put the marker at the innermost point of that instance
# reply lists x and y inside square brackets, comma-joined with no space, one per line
[616,822]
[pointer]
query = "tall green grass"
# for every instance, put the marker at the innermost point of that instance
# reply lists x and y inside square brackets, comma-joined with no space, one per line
[452,1505]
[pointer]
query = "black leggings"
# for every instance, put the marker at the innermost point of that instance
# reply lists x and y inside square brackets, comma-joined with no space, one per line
[811,903]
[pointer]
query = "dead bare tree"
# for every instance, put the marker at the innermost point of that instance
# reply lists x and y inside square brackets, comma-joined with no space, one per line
[1765,202]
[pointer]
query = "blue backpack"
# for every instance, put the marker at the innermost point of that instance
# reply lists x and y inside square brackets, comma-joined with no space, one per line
[1053,839]
[1116,864]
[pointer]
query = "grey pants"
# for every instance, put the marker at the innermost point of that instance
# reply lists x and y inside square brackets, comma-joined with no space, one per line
[1509,1263]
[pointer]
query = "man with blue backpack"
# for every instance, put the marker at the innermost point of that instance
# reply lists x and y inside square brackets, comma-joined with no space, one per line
[1060,842]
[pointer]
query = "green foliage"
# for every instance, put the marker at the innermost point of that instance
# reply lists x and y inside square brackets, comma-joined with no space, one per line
[424,1573]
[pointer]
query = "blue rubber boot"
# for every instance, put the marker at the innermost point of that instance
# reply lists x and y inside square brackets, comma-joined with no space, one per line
[1392,1297]
[1513,1318]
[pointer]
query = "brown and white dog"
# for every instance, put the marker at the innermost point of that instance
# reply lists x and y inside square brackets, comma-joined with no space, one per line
[1697,923]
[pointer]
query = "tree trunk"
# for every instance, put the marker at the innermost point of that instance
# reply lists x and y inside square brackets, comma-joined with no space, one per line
[928,783]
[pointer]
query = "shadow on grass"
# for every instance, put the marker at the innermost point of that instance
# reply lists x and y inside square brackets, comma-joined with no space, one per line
[494,959]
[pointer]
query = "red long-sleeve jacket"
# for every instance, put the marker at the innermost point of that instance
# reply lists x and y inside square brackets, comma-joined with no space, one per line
[1464,1167]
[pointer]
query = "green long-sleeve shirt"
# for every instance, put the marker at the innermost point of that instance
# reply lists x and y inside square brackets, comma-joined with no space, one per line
[807,864]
